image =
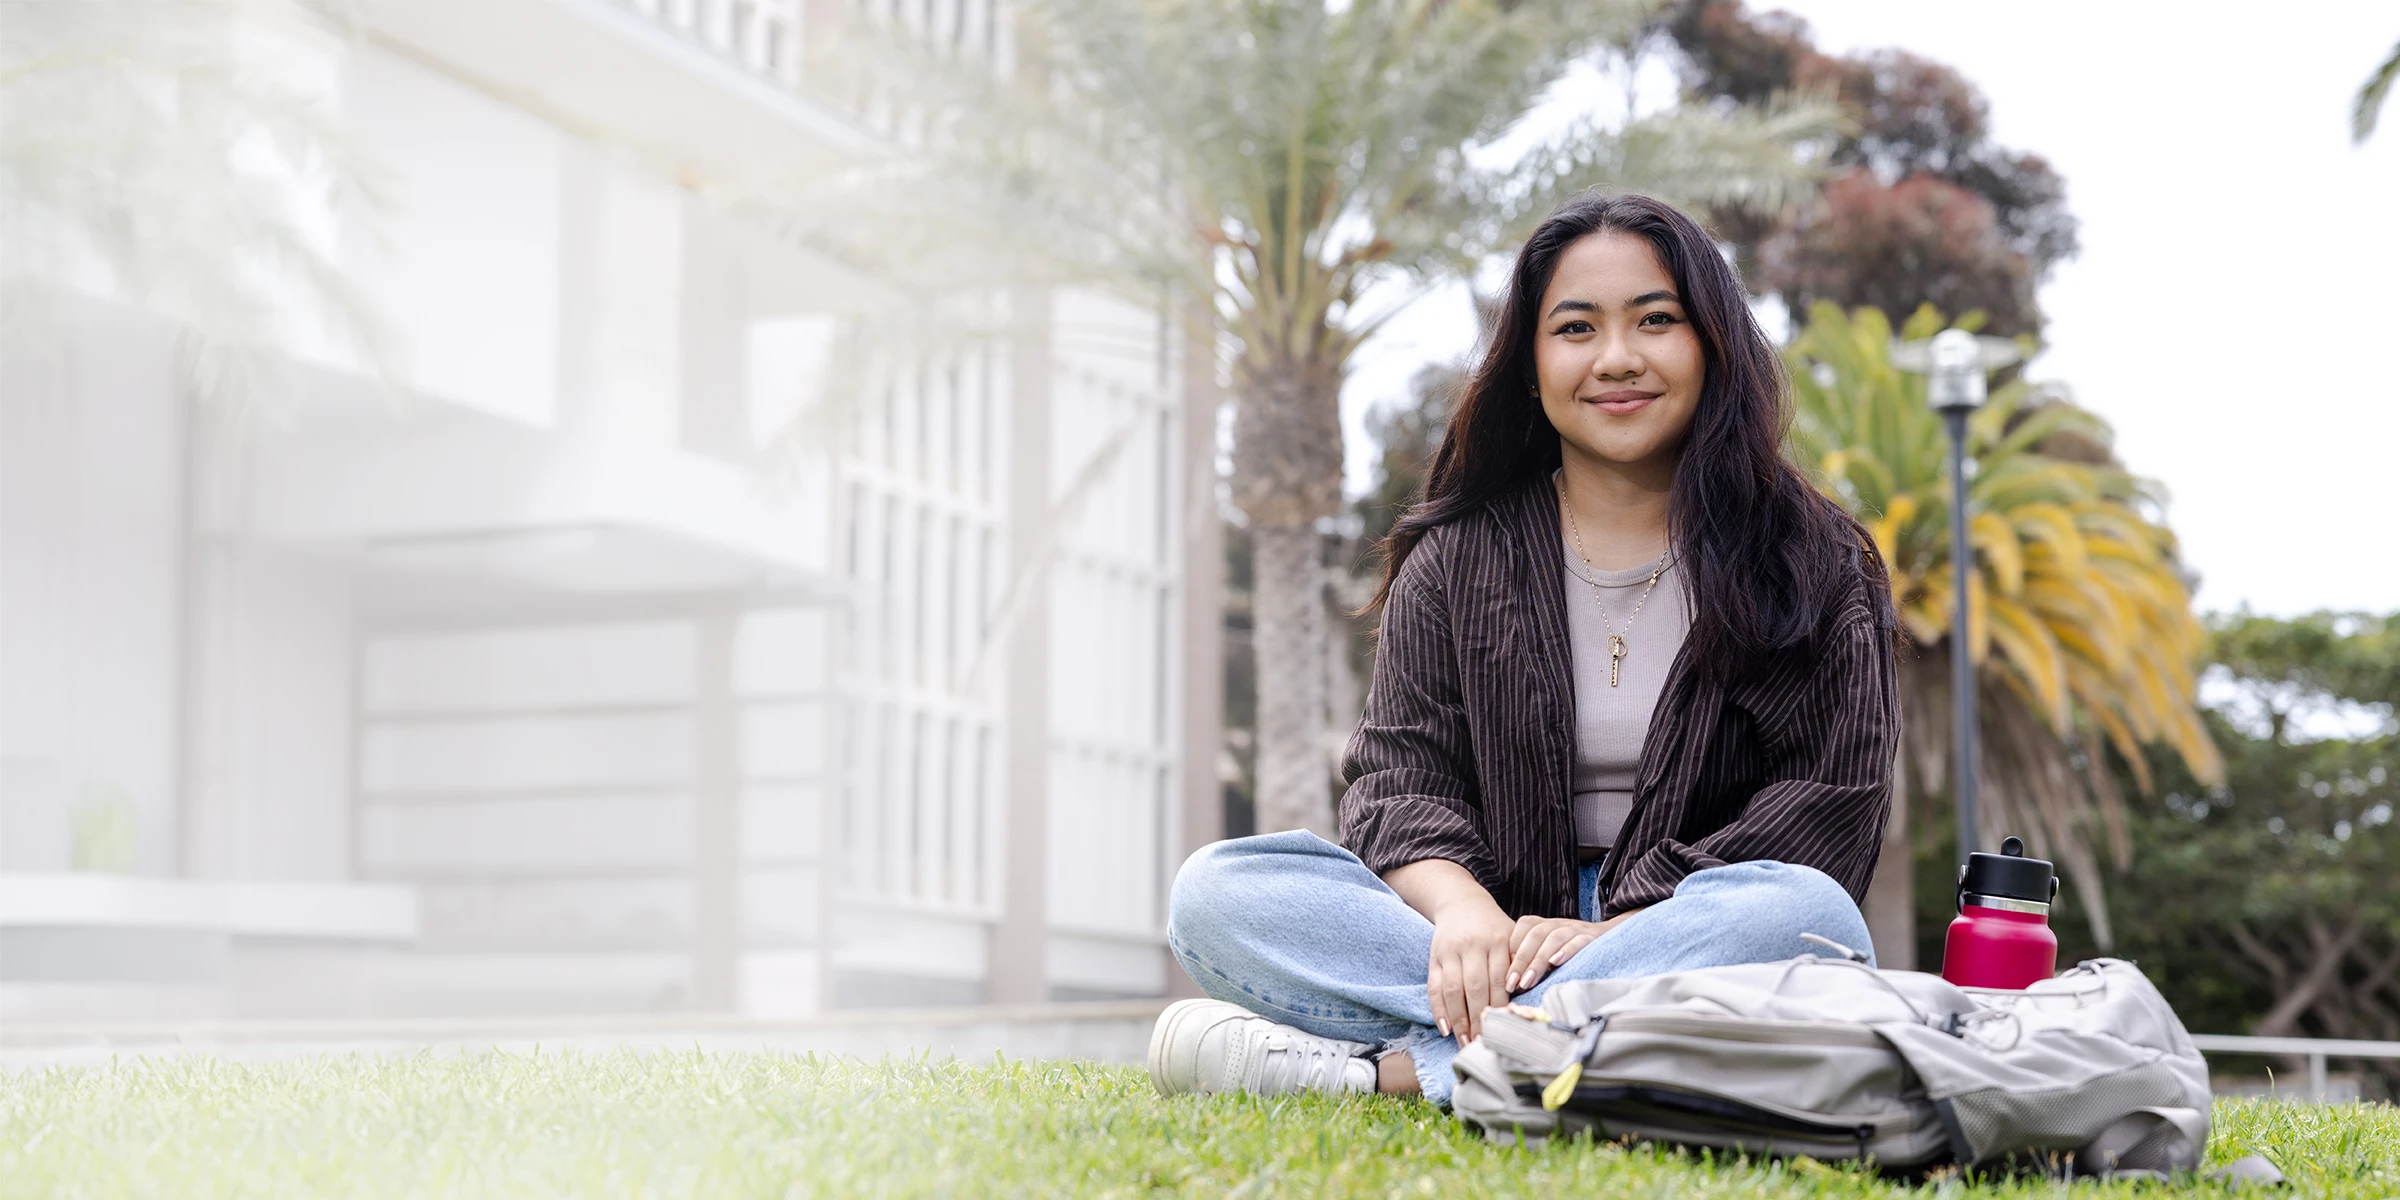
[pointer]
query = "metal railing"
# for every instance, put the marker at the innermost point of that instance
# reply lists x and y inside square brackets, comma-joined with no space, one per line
[2315,1050]
[761,35]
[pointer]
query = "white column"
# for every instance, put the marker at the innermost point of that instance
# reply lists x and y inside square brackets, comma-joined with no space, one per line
[1203,631]
[716,815]
[1018,971]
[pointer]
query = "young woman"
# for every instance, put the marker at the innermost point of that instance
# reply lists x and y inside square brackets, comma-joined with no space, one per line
[1633,708]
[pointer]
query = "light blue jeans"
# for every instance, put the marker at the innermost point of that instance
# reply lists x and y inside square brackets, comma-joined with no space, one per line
[1297,929]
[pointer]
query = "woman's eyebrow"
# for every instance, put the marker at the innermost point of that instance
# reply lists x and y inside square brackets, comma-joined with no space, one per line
[1636,302]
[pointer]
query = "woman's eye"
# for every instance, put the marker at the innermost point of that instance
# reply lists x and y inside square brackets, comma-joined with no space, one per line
[1658,318]
[1572,327]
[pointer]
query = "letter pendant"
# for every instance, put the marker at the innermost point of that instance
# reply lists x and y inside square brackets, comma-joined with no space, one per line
[1616,652]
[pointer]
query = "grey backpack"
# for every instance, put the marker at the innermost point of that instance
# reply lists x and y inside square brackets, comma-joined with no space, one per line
[2089,1072]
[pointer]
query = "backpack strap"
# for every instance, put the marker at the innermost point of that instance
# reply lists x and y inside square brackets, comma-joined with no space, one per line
[2250,1168]
[2146,1142]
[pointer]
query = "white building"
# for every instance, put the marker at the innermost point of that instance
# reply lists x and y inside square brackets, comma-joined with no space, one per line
[554,686]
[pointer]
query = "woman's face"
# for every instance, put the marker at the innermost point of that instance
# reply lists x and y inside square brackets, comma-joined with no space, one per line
[1619,364]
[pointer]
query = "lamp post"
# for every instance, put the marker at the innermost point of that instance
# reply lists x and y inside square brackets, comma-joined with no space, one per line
[1955,363]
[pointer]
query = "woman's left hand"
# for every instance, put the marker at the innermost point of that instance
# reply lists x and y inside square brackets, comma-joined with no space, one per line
[1539,943]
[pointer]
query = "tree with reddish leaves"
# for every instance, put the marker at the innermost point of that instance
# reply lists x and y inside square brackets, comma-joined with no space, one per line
[1923,240]
[1924,206]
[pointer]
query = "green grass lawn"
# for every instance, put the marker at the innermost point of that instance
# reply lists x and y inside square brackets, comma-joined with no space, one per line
[629,1124]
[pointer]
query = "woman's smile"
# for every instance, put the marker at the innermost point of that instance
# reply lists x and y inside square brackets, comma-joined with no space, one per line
[1622,401]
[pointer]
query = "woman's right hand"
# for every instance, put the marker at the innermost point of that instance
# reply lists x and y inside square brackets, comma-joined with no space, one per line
[1469,967]
[1469,970]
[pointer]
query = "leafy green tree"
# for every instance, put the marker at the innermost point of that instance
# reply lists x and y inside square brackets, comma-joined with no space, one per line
[1294,162]
[2079,619]
[2271,898]
[1924,207]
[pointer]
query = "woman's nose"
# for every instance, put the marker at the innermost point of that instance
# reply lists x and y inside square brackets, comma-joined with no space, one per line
[1616,361]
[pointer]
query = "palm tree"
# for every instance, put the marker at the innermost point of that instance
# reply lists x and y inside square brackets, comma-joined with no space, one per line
[1294,162]
[2079,620]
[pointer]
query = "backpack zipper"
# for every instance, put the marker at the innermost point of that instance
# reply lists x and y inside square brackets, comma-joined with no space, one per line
[1750,1029]
[1605,1100]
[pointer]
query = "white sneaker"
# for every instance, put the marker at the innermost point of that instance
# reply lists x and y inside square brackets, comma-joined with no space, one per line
[1212,1046]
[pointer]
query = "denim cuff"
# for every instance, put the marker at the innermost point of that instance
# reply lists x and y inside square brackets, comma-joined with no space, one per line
[1430,1051]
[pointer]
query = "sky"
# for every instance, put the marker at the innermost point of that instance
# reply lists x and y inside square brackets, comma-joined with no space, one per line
[2235,310]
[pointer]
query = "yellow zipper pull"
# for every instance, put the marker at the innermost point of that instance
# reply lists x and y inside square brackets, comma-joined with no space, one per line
[1562,1087]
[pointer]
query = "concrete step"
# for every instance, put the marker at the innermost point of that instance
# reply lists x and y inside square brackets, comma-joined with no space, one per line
[1109,1031]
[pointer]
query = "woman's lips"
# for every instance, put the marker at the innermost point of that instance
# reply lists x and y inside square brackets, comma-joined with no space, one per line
[1617,404]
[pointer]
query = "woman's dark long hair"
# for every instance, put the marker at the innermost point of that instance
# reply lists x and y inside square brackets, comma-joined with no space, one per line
[1765,555]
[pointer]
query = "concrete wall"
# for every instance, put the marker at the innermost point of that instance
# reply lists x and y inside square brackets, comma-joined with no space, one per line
[91,531]
[467,264]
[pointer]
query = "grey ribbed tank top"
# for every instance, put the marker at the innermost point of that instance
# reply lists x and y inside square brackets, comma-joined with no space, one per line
[1611,722]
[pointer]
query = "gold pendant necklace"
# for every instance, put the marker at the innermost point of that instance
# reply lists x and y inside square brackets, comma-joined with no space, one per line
[1616,641]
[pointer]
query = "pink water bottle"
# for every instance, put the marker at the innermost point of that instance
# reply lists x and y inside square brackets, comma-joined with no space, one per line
[2002,936]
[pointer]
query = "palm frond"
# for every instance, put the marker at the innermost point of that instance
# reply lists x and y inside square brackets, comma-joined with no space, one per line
[1279,157]
[1739,159]
[2371,94]
[146,141]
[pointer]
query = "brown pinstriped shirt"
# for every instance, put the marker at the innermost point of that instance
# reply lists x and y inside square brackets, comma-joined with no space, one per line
[1466,751]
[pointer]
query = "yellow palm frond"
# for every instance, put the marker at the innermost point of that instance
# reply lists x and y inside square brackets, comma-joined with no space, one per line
[2077,611]
[2053,526]
[1886,528]
[1996,538]
[2033,654]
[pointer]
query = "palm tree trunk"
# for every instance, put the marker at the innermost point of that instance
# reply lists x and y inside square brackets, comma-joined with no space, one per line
[1891,899]
[1288,634]
[1287,476]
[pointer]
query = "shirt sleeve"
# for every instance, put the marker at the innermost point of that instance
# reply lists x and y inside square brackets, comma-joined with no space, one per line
[1409,769]
[1830,746]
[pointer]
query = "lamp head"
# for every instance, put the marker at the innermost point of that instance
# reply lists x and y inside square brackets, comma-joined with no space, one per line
[1955,362]
[1957,383]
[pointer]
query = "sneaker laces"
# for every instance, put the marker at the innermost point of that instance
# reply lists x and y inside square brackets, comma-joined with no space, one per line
[1283,1063]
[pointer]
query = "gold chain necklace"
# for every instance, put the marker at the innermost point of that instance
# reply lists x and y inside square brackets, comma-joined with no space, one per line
[1616,641]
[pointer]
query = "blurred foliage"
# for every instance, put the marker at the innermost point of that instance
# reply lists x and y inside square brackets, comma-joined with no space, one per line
[1406,436]
[1921,240]
[178,151]
[100,833]
[2270,901]
[2371,95]
[1923,206]
[2079,618]
[2323,656]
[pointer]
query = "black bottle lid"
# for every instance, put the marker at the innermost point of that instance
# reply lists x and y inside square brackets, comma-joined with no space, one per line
[2008,874]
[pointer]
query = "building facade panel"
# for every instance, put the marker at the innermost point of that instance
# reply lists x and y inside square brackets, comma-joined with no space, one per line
[610,834]
[522,752]
[610,912]
[541,667]
[479,186]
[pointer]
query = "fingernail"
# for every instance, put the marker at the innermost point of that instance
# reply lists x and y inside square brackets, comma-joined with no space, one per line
[1558,958]
[1512,981]
[1444,1026]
